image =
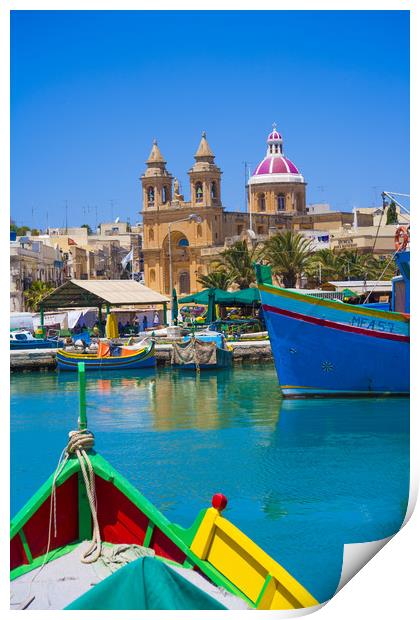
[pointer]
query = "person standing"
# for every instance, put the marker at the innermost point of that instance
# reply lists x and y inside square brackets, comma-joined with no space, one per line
[144,322]
[156,319]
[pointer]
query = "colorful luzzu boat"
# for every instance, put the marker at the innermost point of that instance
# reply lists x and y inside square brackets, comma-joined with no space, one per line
[328,348]
[211,565]
[128,358]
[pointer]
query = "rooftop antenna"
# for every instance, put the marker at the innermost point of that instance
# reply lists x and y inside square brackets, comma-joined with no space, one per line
[67,228]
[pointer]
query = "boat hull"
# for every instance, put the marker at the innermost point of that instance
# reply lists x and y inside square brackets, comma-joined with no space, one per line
[35,344]
[224,359]
[324,348]
[141,359]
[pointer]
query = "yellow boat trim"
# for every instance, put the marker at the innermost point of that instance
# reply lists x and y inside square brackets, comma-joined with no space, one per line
[87,356]
[263,581]
[316,301]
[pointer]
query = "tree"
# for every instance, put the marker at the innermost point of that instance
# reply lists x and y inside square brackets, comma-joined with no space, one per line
[391,214]
[36,293]
[218,278]
[89,230]
[19,230]
[322,266]
[35,232]
[238,261]
[289,254]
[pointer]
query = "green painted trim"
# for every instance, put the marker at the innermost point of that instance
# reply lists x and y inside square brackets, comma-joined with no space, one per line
[263,589]
[53,555]
[82,396]
[149,533]
[188,563]
[25,546]
[188,535]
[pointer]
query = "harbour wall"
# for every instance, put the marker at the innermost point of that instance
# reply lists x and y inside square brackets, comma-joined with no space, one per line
[44,359]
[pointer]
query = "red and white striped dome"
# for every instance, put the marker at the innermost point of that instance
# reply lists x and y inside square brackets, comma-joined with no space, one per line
[276,164]
[275,167]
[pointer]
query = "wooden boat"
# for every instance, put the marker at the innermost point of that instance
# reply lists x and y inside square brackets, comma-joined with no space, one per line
[202,351]
[323,347]
[86,498]
[23,339]
[126,357]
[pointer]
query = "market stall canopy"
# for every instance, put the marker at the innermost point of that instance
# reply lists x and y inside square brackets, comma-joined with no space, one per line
[220,297]
[245,297]
[85,293]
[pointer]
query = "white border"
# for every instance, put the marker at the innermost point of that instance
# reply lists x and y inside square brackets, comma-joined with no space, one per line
[387,586]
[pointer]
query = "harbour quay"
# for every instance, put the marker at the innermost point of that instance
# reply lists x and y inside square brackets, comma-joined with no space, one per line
[45,359]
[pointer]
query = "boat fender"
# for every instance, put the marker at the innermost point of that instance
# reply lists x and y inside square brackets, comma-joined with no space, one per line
[401,238]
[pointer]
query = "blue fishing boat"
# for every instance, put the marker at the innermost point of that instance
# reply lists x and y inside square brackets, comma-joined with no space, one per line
[202,351]
[323,347]
[24,339]
[141,355]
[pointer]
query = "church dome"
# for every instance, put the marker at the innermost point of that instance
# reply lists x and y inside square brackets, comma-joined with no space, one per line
[275,167]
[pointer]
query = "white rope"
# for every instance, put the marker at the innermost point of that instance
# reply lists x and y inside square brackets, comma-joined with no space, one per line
[79,442]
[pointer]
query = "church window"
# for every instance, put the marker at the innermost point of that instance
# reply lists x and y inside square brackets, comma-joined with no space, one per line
[213,191]
[152,274]
[164,194]
[199,230]
[183,243]
[281,202]
[151,235]
[150,195]
[199,192]
[261,202]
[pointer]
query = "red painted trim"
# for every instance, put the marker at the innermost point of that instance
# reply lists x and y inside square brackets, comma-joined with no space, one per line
[36,528]
[120,521]
[17,553]
[333,325]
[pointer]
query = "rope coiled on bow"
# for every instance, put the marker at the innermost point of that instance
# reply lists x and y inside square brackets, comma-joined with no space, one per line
[79,442]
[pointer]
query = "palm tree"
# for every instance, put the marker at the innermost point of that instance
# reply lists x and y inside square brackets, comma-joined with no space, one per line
[238,261]
[288,253]
[352,264]
[218,278]
[323,265]
[36,293]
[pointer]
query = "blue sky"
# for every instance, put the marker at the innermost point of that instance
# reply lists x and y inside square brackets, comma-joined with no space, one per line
[91,89]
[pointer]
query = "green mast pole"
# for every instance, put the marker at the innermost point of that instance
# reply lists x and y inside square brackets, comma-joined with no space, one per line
[82,396]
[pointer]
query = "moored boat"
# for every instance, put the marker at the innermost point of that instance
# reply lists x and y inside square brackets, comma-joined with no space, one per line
[23,339]
[322,347]
[87,499]
[108,357]
[202,351]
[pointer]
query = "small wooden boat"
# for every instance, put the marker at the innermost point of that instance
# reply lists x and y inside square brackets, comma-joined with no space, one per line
[125,357]
[87,499]
[202,352]
[23,339]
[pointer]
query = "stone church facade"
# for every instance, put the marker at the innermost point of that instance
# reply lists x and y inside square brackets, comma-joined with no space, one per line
[201,228]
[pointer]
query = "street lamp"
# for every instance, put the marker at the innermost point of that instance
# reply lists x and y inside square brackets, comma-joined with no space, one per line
[191,218]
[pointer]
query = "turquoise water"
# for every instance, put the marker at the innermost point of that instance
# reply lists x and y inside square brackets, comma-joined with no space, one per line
[302,477]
